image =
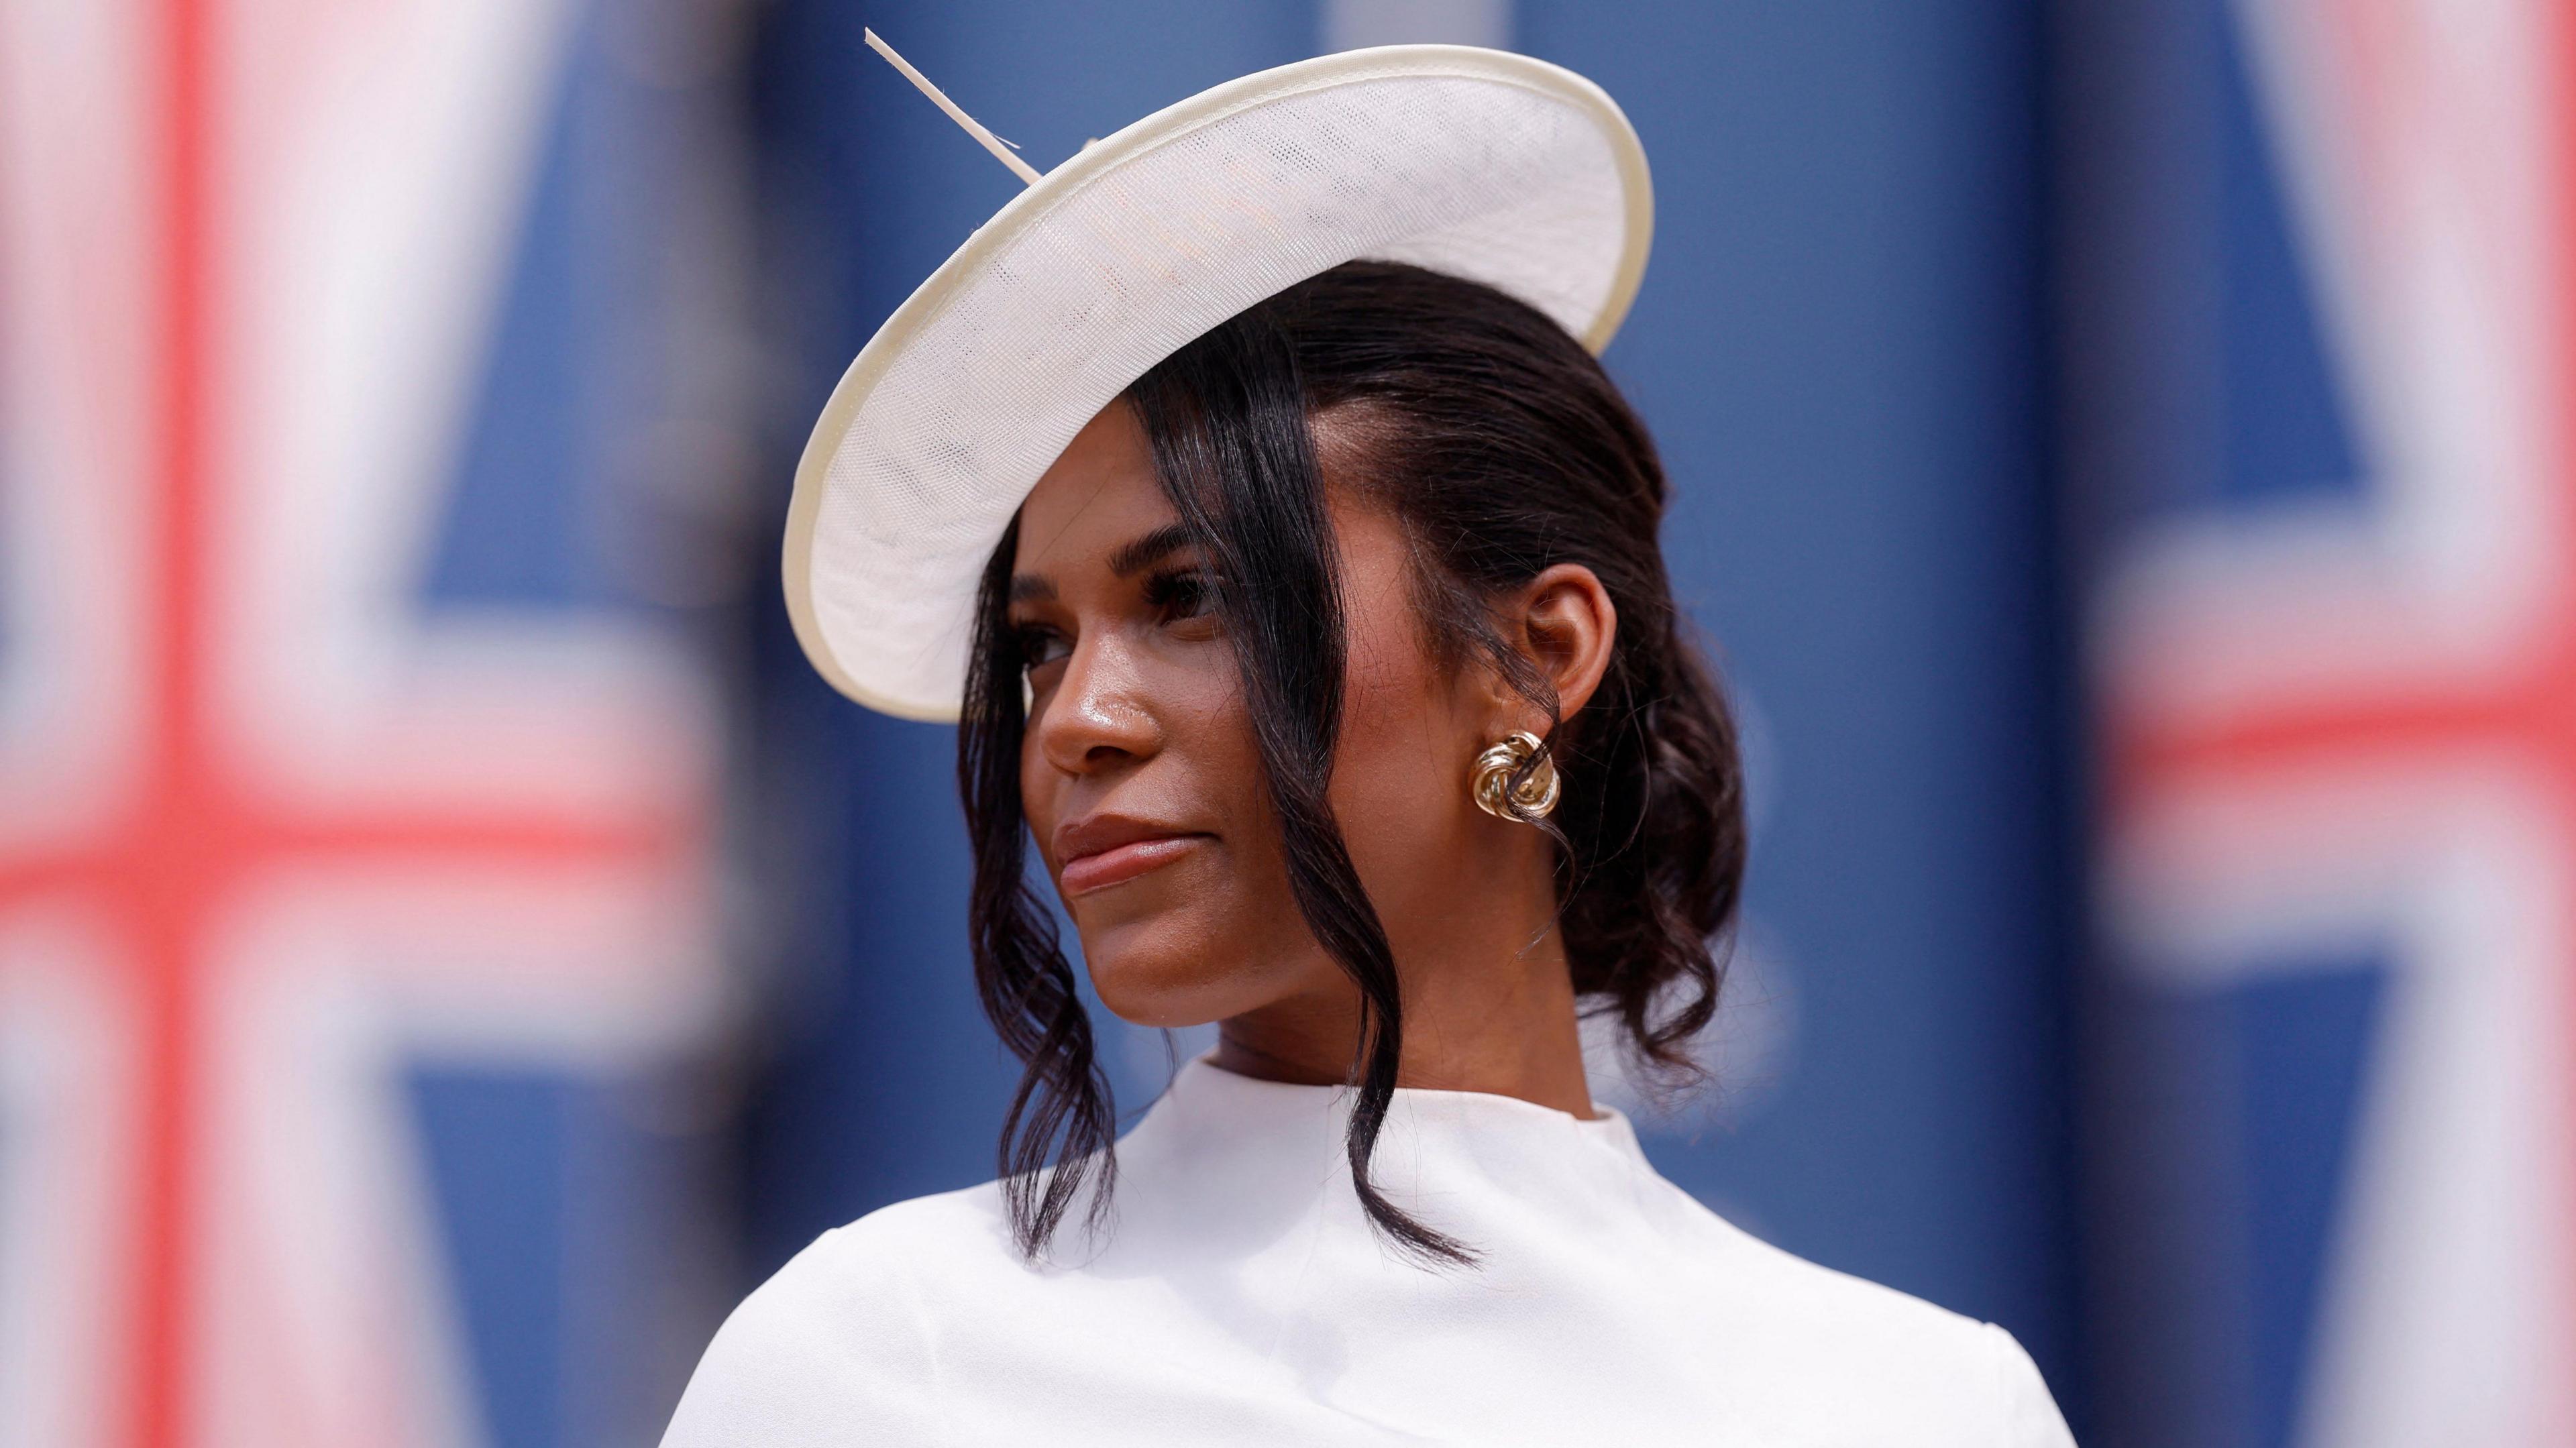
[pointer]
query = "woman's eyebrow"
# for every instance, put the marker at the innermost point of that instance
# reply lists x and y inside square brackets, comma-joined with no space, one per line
[1144,552]
[1128,559]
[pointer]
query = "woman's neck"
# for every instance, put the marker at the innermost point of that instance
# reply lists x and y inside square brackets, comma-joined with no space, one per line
[1479,1015]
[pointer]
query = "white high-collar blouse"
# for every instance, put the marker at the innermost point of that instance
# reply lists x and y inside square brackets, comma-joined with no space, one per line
[1242,1298]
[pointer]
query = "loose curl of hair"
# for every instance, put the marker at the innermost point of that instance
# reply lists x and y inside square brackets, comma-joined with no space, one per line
[1502,449]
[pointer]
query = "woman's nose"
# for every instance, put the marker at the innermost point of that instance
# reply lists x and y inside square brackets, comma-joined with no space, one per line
[1097,717]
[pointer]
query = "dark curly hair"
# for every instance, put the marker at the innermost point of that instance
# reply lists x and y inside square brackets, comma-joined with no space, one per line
[1502,449]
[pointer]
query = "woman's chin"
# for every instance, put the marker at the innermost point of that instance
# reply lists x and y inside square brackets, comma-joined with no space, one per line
[1160,972]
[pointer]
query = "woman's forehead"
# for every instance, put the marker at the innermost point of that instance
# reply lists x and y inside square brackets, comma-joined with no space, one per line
[1099,496]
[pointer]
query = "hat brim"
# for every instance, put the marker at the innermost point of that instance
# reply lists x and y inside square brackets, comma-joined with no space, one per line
[1479,163]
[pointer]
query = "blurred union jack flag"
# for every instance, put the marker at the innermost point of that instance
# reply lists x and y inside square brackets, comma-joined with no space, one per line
[2336,664]
[354,807]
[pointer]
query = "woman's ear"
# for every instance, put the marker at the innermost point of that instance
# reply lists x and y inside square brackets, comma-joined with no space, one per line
[1563,622]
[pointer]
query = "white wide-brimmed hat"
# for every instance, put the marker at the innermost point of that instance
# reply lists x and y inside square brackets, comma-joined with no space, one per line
[1478,163]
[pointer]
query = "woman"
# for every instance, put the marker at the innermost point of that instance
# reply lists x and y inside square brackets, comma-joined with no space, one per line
[1332,667]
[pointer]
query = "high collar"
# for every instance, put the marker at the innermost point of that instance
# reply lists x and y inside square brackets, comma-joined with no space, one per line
[1224,1164]
[1205,1097]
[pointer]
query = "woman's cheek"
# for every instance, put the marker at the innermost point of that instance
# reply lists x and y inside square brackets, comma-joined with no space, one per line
[1037,801]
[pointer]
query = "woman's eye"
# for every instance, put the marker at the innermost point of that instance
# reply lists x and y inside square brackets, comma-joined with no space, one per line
[1180,595]
[1040,647]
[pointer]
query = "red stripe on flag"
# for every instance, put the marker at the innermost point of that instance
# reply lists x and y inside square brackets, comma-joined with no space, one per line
[165,1287]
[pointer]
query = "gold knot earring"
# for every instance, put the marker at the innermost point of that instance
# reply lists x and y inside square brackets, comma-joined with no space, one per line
[1490,781]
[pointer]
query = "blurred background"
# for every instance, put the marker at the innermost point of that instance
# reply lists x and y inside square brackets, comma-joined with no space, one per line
[451,945]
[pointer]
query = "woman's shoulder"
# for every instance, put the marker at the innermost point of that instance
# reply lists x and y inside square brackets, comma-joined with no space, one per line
[1822,1334]
[855,1276]
[838,1336]
[939,1234]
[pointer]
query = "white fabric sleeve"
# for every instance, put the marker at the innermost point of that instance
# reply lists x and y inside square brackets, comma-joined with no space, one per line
[2029,1415]
[831,1352]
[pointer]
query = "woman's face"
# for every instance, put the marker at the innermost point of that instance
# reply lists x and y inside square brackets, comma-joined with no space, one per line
[1139,773]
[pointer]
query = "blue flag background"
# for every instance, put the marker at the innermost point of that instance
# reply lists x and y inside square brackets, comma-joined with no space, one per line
[2119,472]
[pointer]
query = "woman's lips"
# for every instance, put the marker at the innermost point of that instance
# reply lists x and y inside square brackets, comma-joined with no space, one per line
[1086,873]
